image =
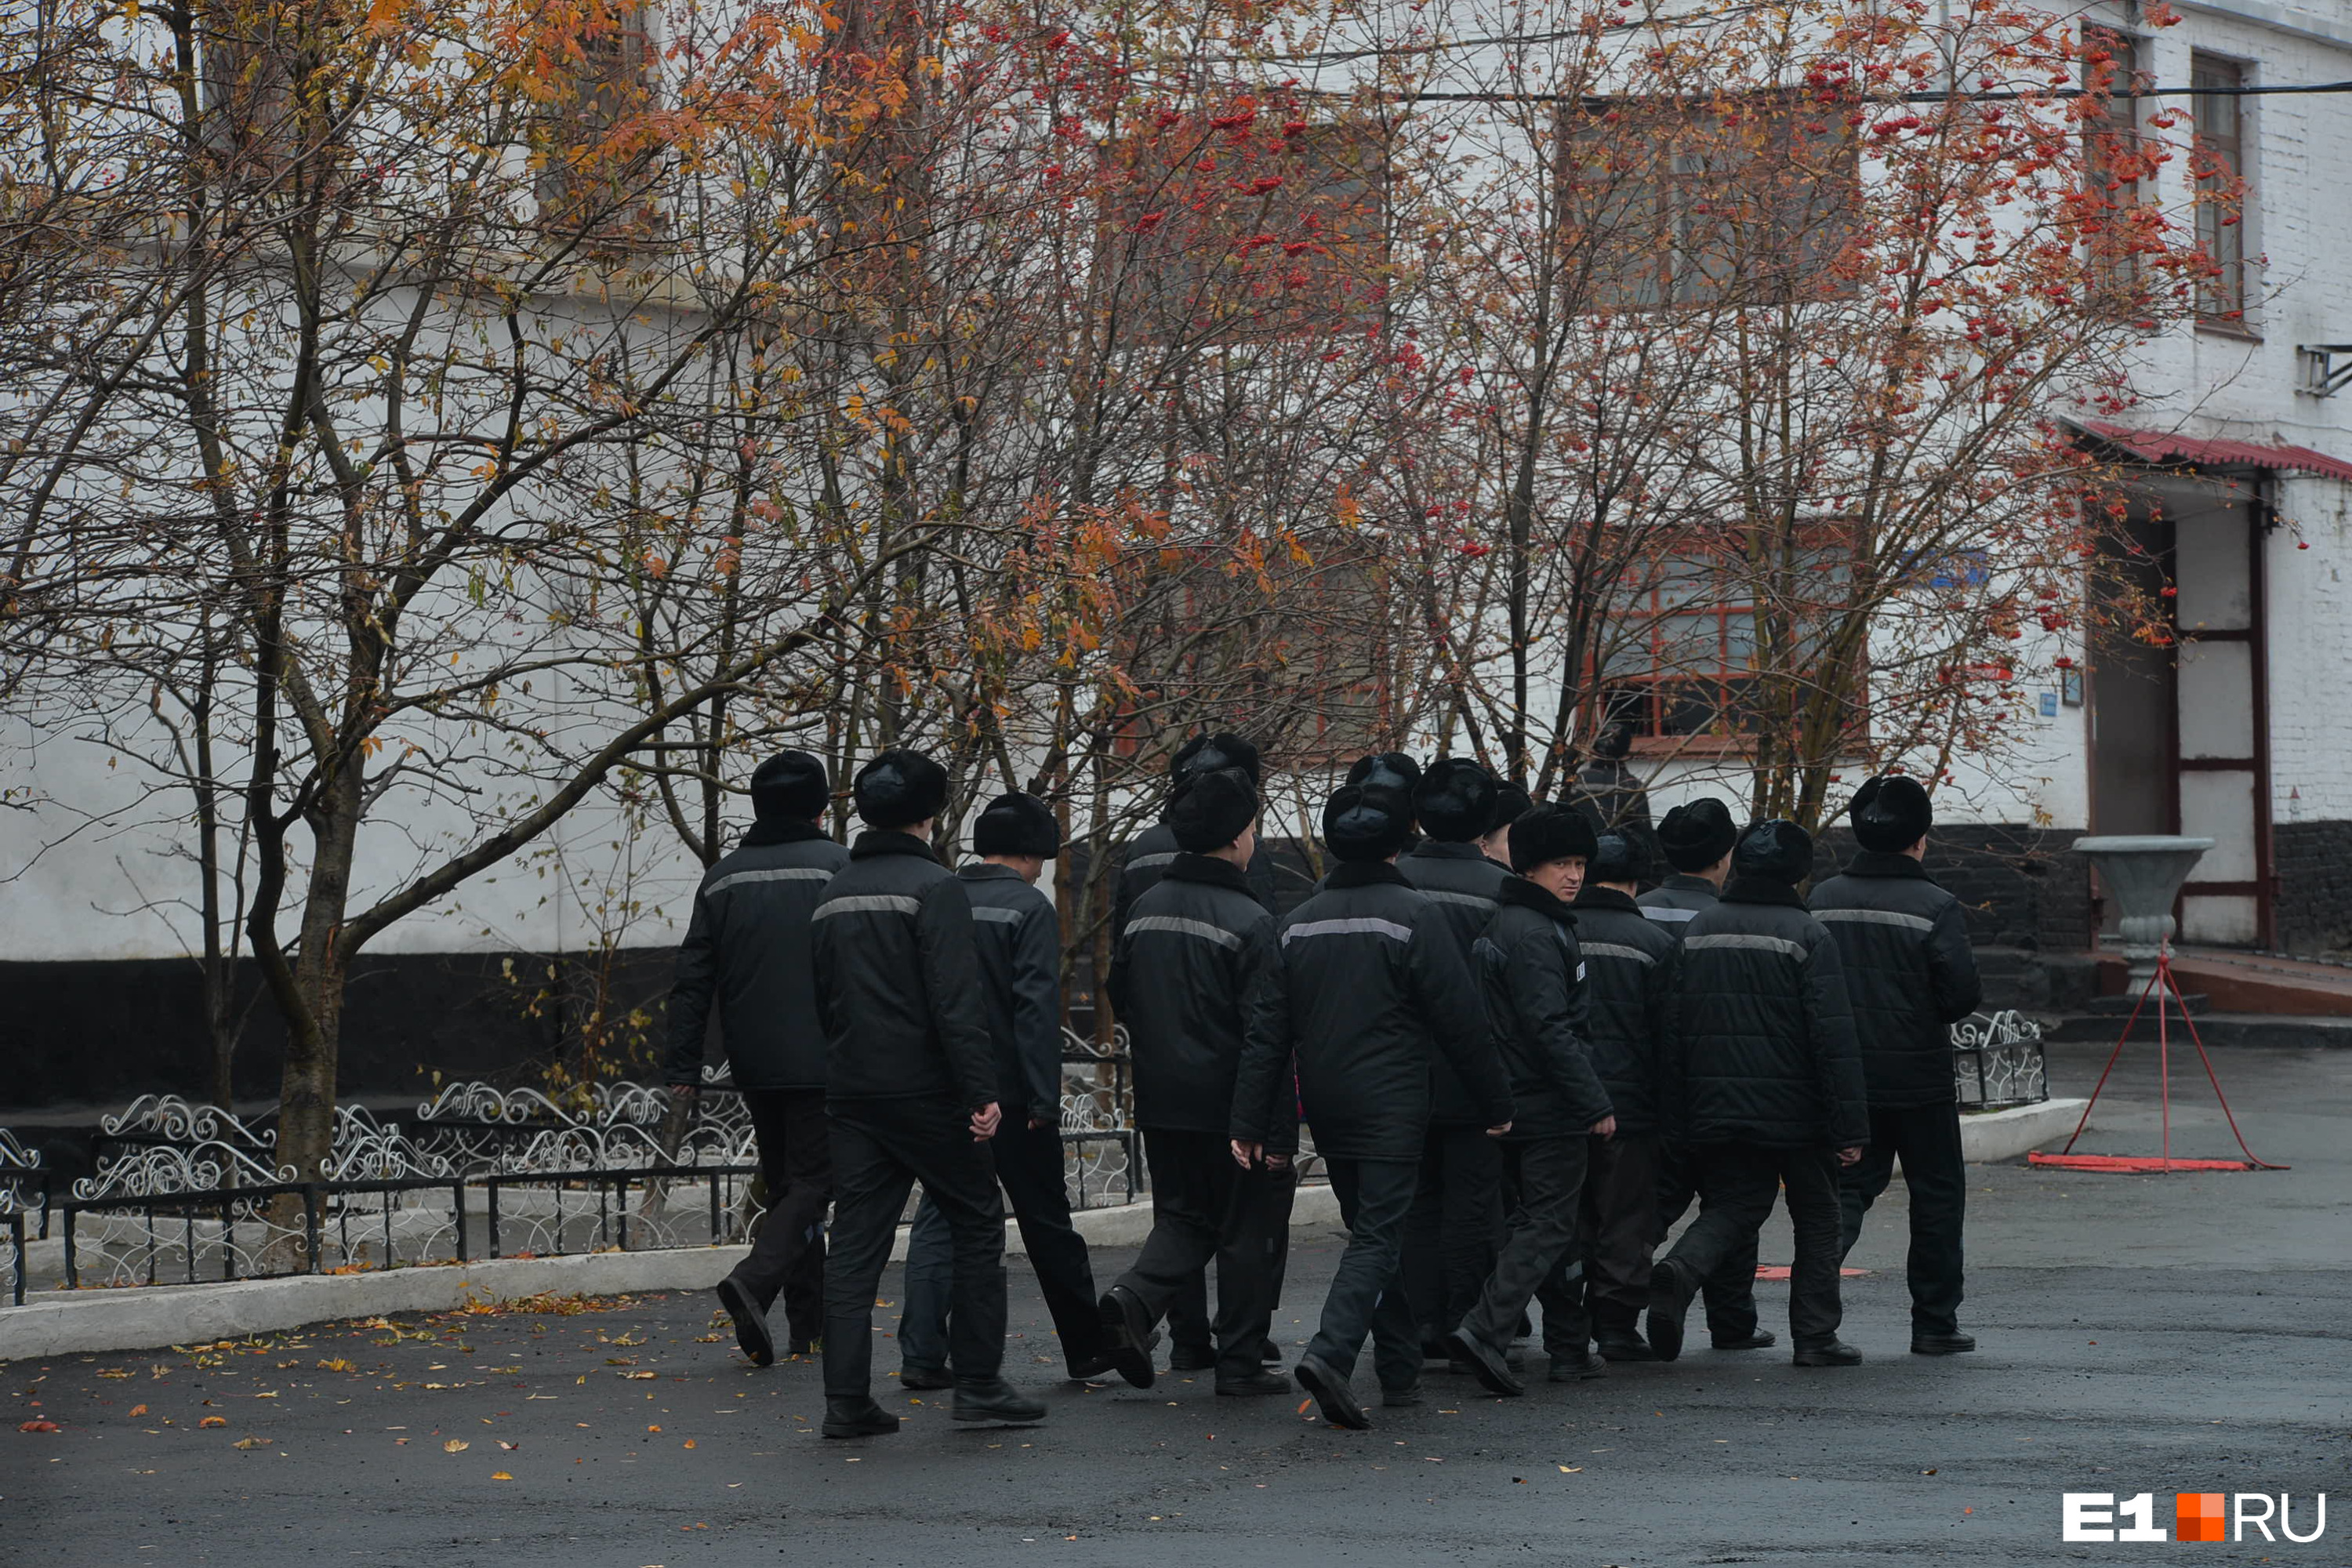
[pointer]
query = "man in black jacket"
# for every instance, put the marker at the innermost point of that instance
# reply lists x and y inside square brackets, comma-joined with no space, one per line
[911,1092]
[746,957]
[1196,950]
[1630,963]
[1531,978]
[1367,990]
[1911,974]
[1697,841]
[1762,1081]
[1455,1228]
[1019,941]
[1147,859]
[1141,866]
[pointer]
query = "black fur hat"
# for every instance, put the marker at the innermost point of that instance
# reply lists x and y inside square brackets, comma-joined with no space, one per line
[1891,813]
[899,788]
[1776,849]
[1454,800]
[1697,835]
[1367,822]
[1387,770]
[791,786]
[1213,809]
[1205,753]
[1548,833]
[1511,802]
[1616,857]
[1017,823]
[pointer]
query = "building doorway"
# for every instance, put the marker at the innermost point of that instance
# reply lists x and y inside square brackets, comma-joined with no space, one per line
[2178,722]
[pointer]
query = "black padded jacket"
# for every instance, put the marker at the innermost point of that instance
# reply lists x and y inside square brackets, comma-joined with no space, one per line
[1910,973]
[1463,884]
[746,958]
[1759,1045]
[1195,950]
[1674,902]
[1531,976]
[1367,990]
[1629,963]
[898,979]
[1020,942]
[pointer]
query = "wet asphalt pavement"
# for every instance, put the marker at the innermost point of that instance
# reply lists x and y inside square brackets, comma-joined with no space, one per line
[2160,1334]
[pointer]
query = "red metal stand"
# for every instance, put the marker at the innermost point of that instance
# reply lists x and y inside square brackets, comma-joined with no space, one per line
[2166,992]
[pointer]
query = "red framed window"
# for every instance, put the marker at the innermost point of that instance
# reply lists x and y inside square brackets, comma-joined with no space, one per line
[1683,666]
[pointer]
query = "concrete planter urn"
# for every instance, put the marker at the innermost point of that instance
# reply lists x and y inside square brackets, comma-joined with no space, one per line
[2143,874]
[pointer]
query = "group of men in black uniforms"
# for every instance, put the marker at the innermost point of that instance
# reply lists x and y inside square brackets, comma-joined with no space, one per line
[1518,1070]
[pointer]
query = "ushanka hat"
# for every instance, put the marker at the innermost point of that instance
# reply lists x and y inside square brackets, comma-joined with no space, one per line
[1017,823]
[1776,849]
[899,789]
[1891,813]
[1367,822]
[1548,833]
[1212,811]
[1511,802]
[791,786]
[1697,835]
[1616,857]
[1454,800]
[1386,770]
[1206,753]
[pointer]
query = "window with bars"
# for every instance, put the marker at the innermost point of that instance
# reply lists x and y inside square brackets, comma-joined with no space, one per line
[2219,164]
[2113,162]
[1749,201]
[1242,223]
[587,184]
[1685,664]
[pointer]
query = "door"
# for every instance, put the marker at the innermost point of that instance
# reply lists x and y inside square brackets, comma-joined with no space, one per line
[2223,783]
[2179,730]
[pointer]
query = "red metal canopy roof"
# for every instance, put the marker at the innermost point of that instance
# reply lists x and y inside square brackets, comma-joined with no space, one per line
[2166,446]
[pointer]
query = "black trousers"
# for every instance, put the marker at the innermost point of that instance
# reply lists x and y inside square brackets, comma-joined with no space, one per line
[1549,1173]
[1367,1294]
[1737,1185]
[1730,1292]
[1617,1226]
[787,1257]
[1454,1226]
[1029,1166]
[1927,1139]
[1203,1207]
[881,1148]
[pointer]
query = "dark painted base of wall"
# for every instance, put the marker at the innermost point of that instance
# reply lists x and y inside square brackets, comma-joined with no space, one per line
[100,1032]
[2313,914]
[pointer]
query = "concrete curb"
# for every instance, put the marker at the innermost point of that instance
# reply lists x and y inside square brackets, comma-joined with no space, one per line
[60,1323]
[1997,1135]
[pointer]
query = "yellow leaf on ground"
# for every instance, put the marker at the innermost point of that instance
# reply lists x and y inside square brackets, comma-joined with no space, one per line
[501,1476]
[456,1446]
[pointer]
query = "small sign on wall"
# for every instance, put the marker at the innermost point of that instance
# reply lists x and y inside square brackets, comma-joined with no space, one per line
[2050,705]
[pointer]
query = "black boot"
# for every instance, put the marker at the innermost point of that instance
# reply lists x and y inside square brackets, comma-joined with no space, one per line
[1250,1383]
[1332,1393]
[924,1377]
[992,1399]
[856,1416]
[1670,1289]
[1829,1353]
[1129,1335]
[751,1323]
[1576,1366]
[1952,1343]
